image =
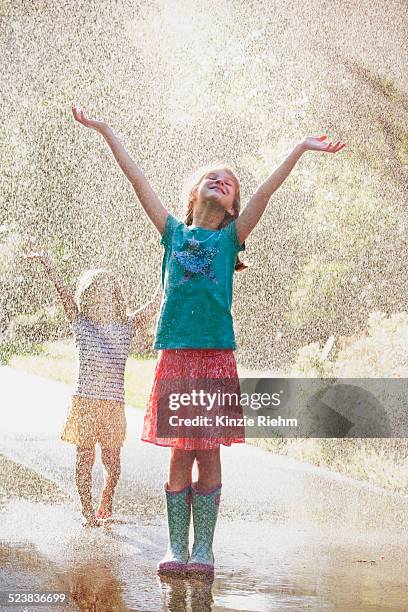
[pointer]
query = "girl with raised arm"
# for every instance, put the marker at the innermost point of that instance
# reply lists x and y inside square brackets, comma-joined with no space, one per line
[103,332]
[195,333]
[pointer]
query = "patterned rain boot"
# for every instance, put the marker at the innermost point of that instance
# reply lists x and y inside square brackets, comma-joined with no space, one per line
[205,511]
[178,520]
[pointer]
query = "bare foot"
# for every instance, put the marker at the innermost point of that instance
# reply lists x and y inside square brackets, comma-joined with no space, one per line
[104,511]
[91,521]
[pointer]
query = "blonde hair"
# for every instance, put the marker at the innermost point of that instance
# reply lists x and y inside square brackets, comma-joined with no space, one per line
[192,196]
[99,279]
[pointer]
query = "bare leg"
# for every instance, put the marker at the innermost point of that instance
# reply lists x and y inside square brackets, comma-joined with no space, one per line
[180,471]
[85,458]
[209,469]
[111,461]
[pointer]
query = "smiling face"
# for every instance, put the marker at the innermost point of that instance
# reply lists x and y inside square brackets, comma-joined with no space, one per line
[218,187]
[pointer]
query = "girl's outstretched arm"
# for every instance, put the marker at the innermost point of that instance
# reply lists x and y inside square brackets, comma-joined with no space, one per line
[153,207]
[253,211]
[65,294]
[141,316]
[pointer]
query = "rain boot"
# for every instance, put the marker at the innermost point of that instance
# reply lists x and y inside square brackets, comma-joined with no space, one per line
[205,511]
[178,520]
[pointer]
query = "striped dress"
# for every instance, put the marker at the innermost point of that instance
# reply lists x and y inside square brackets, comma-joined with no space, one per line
[102,353]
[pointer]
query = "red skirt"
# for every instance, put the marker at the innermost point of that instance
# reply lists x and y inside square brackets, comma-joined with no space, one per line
[190,364]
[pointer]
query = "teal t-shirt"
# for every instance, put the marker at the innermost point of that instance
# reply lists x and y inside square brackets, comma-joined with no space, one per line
[197,277]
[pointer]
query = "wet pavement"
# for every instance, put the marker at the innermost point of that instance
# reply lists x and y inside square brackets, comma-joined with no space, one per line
[289,536]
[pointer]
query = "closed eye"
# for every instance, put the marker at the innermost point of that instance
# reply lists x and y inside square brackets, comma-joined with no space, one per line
[213,178]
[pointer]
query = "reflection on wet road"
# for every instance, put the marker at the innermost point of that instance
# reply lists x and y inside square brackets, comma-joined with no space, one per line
[276,565]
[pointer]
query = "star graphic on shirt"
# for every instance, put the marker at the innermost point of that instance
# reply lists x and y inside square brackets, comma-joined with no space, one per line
[196,259]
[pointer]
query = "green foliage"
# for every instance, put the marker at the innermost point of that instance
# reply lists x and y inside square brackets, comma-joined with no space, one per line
[309,362]
[316,292]
[143,356]
[348,232]
[45,324]
[381,352]
[11,281]
[402,149]
[381,462]
[348,216]
[8,350]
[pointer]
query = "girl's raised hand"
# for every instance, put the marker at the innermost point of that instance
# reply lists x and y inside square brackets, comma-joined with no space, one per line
[42,256]
[79,116]
[320,143]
